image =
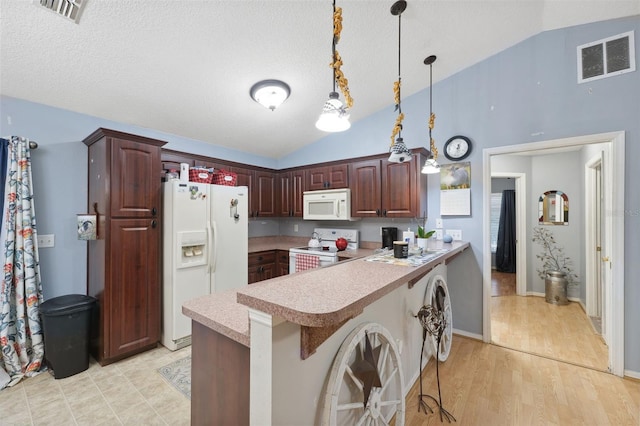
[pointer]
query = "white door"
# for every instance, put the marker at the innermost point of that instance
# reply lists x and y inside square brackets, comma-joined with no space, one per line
[229,227]
[185,269]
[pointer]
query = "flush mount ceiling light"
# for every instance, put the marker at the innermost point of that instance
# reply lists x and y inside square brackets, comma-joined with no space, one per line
[431,166]
[335,115]
[399,151]
[270,93]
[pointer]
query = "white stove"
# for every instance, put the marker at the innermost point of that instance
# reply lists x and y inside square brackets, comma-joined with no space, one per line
[324,255]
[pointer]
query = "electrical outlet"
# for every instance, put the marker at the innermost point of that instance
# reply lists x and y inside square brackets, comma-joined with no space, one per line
[456,234]
[439,223]
[438,234]
[46,240]
[295,227]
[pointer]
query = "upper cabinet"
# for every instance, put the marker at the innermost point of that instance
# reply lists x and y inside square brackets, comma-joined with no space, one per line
[380,188]
[290,186]
[263,194]
[135,178]
[328,177]
[262,190]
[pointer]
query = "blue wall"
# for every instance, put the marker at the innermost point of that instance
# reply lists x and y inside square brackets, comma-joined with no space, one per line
[526,93]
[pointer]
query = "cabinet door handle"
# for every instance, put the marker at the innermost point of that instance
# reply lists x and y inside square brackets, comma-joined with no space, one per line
[154,223]
[377,212]
[154,211]
[260,269]
[257,213]
[384,213]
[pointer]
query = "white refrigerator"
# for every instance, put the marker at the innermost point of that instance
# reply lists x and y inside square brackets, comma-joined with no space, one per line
[205,249]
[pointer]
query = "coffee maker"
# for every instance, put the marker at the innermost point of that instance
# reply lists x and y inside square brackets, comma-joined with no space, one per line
[389,235]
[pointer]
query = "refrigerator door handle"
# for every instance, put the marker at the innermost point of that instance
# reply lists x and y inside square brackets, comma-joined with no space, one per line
[214,247]
[210,244]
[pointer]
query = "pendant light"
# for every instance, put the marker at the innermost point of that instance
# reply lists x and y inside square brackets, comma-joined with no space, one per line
[399,151]
[431,166]
[335,115]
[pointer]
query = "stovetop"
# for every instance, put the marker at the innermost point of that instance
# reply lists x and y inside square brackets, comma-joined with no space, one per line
[328,237]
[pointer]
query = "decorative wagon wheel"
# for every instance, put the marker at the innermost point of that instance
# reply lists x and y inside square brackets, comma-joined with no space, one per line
[365,384]
[430,300]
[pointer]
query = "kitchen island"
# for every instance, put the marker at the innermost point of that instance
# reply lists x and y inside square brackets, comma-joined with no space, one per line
[278,372]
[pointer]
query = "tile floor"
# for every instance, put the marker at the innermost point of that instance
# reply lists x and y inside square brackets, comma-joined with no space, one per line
[129,392]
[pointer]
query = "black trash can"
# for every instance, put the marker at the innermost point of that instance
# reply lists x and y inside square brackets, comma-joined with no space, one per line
[66,323]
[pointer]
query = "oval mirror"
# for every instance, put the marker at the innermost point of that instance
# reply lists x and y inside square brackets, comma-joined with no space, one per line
[553,208]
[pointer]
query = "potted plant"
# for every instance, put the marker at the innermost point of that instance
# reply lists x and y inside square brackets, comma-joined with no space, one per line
[423,236]
[557,268]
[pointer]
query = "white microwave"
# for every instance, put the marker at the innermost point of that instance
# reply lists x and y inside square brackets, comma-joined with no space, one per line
[327,204]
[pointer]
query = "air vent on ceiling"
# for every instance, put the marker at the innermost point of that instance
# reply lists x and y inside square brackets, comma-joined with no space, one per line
[69,9]
[607,57]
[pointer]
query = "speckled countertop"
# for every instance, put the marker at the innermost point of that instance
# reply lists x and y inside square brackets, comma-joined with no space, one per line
[257,244]
[315,298]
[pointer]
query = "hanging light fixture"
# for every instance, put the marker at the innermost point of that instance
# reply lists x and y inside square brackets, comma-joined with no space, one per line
[335,115]
[431,166]
[270,93]
[399,151]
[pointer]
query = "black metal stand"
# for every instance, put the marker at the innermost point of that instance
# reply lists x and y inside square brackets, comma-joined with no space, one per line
[421,403]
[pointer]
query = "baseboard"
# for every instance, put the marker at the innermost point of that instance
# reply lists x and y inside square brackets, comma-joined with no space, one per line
[570,299]
[467,334]
[635,375]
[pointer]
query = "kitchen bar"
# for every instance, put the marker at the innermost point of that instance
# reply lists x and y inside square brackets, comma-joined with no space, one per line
[297,325]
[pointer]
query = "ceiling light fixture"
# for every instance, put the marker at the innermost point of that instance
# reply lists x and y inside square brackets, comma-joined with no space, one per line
[431,166]
[270,93]
[399,151]
[335,115]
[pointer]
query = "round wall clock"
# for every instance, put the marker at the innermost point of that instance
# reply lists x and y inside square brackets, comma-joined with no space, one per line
[457,148]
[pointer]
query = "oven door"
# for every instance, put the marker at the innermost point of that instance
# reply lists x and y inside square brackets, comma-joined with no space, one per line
[308,260]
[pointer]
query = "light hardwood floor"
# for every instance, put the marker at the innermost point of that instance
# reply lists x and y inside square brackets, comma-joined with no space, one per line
[530,324]
[485,384]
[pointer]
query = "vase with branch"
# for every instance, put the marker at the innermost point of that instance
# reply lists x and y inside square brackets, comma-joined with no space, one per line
[553,256]
[557,268]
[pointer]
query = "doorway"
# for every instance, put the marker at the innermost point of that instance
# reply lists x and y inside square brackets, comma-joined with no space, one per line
[613,227]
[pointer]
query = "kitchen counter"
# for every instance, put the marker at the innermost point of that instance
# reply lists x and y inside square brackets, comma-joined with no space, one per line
[321,297]
[264,353]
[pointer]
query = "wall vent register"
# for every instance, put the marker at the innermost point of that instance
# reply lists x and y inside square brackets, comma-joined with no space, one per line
[607,57]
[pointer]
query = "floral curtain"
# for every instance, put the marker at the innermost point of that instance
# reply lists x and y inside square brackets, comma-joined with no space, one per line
[21,338]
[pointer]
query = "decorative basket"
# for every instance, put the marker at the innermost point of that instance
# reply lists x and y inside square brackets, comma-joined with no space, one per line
[224,177]
[200,175]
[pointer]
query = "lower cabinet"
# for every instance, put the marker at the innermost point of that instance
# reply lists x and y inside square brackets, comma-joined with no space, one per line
[220,395]
[262,266]
[282,262]
[268,264]
[124,278]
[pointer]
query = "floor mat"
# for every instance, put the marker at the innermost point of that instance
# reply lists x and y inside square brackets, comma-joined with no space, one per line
[178,374]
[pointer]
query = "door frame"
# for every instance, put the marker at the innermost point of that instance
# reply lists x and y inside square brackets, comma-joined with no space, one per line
[614,204]
[520,180]
[591,256]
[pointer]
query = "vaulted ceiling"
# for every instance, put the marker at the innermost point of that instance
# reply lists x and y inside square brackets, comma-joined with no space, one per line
[186,67]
